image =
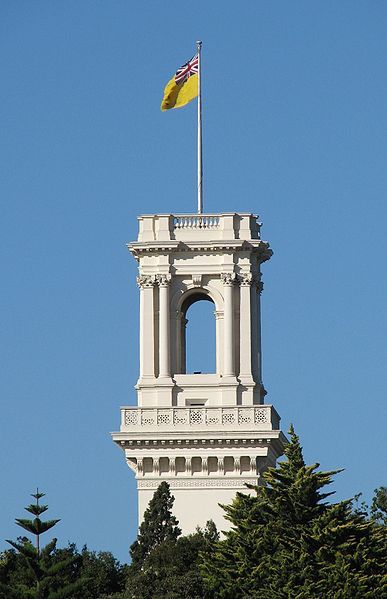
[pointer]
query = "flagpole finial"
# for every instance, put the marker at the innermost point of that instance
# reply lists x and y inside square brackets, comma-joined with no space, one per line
[199,43]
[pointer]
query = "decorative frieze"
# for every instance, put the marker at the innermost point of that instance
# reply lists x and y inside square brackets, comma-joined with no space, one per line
[209,483]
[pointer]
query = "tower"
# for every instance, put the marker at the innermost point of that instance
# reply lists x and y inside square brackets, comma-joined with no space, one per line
[206,434]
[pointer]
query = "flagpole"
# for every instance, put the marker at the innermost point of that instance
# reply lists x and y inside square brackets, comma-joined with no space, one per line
[200,154]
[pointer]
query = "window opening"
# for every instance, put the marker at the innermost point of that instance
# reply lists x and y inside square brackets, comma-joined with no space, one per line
[200,335]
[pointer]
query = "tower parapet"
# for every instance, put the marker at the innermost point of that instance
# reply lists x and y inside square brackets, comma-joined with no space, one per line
[206,433]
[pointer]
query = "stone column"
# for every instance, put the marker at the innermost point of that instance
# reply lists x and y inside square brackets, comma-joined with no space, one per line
[246,341]
[164,328]
[256,289]
[219,341]
[228,320]
[147,368]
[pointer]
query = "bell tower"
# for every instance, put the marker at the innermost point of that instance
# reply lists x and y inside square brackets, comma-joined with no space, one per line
[206,434]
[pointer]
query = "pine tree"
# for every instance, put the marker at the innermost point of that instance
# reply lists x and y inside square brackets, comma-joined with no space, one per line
[288,542]
[47,575]
[159,525]
[379,505]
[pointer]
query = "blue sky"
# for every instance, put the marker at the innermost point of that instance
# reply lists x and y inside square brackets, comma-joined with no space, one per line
[294,96]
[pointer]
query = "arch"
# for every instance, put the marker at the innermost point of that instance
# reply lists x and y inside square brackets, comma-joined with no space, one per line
[180,297]
[180,304]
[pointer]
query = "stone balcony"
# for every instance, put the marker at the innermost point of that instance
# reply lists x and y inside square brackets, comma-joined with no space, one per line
[191,227]
[198,420]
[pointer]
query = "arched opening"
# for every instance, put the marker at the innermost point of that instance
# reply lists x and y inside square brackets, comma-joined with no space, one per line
[198,334]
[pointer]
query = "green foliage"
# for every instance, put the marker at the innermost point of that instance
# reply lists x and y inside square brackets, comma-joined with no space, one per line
[287,542]
[159,525]
[85,574]
[104,573]
[165,564]
[38,573]
[379,505]
[171,568]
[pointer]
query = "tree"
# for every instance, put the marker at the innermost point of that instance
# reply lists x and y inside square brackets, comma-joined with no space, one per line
[104,573]
[39,573]
[379,505]
[171,568]
[288,542]
[159,525]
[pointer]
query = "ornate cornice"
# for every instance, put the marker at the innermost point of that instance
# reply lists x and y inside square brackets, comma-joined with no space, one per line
[256,246]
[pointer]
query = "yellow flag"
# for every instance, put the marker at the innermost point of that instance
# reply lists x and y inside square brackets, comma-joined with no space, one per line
[183,87]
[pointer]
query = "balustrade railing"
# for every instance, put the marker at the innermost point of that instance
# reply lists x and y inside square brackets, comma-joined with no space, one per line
[196,221]
[200,417]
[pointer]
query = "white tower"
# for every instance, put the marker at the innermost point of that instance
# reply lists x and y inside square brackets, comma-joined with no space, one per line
[205,434]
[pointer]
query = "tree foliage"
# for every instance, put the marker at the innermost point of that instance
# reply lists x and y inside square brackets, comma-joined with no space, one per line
[159,525]
[171,569]
[28,571]
[164,563]
[43,574]
[288,542]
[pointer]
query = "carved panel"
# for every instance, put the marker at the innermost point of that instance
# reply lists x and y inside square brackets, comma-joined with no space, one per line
[131,417]
[261,415]
[228,416]
[196,416]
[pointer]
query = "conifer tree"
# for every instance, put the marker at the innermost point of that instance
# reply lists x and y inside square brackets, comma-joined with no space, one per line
[48,577]
[159,525]
[288,542]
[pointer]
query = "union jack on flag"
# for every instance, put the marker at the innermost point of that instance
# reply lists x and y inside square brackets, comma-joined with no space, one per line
[189,68]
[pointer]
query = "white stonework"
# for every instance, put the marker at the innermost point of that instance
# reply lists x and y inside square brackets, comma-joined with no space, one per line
[206,434]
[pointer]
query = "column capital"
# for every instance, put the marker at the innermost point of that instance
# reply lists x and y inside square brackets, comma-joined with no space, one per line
[163,280]
[245,279]
[144,281]
[228,278]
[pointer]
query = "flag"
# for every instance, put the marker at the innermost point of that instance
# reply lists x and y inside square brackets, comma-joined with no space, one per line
[183,87]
